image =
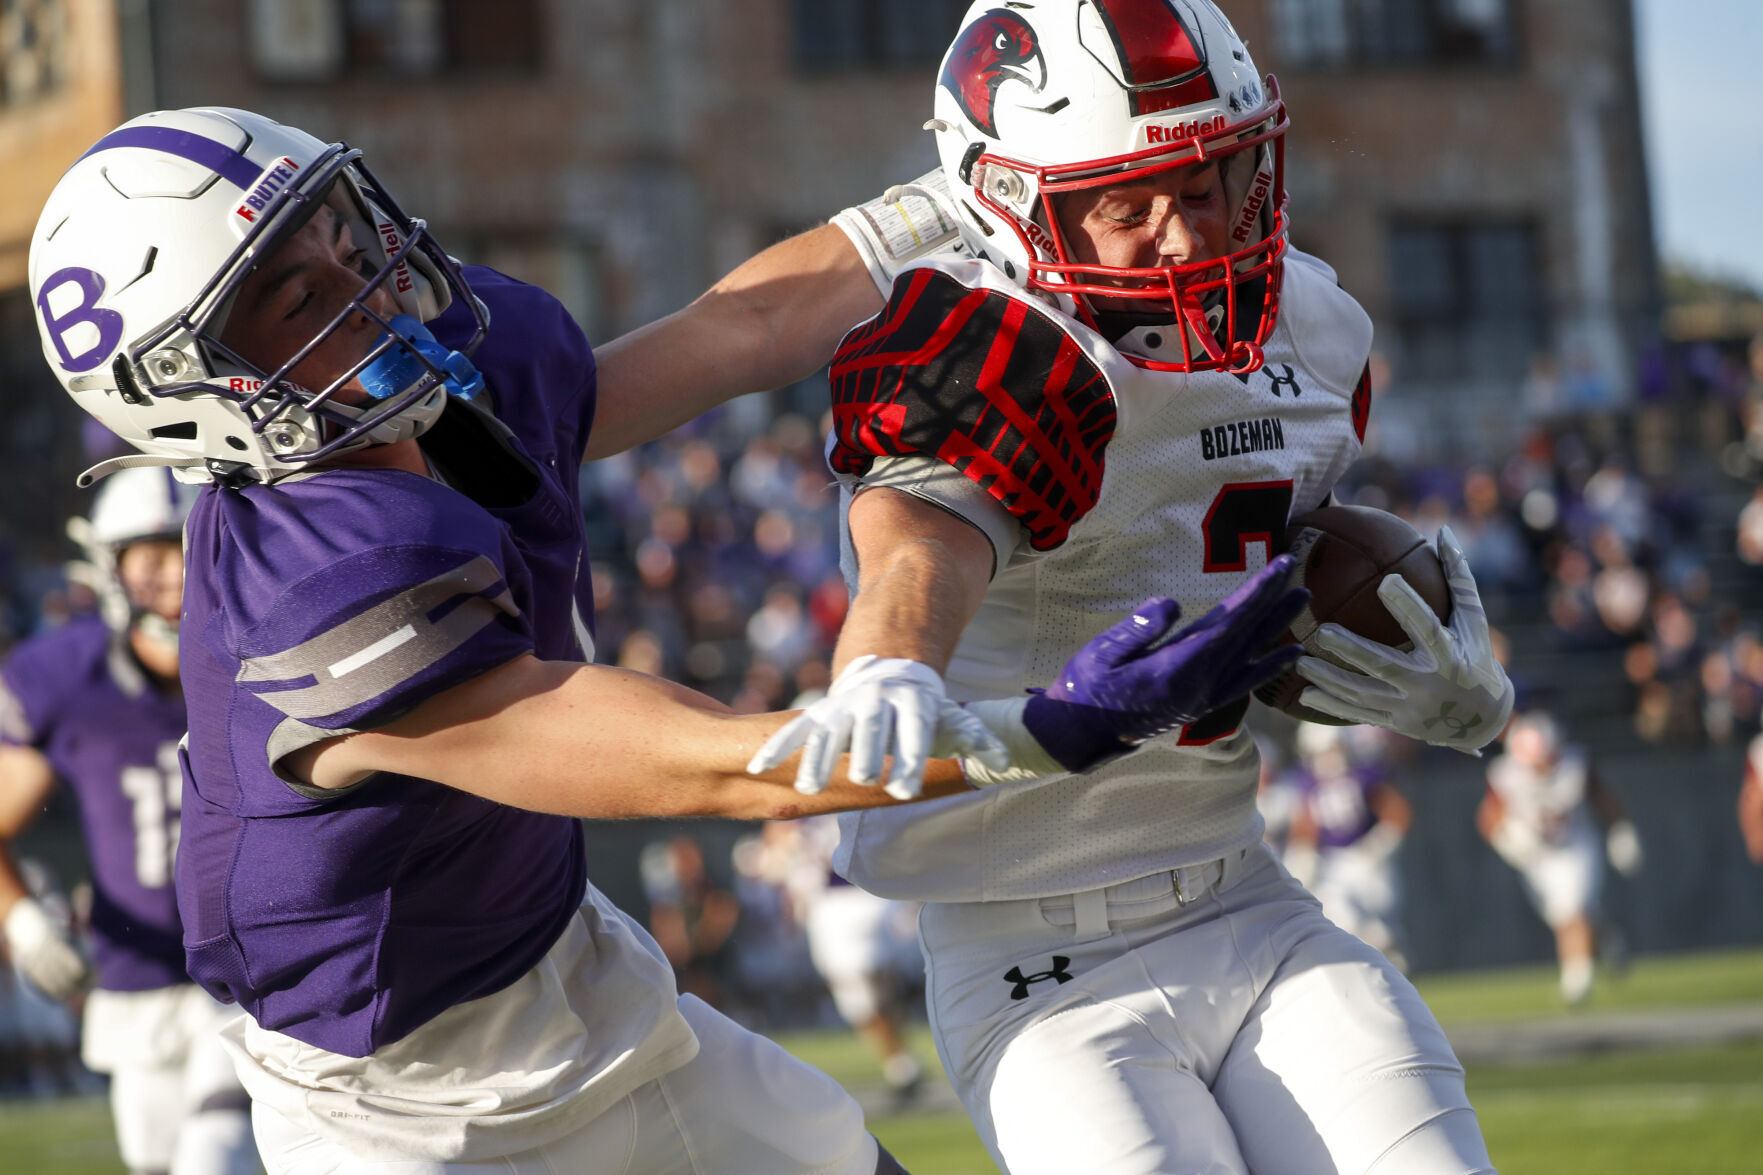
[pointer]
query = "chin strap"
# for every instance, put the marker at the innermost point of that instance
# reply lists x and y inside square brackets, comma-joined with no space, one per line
[189,470]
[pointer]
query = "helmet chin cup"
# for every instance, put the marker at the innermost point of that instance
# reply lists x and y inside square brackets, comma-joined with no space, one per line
[1246,357]
[415,355]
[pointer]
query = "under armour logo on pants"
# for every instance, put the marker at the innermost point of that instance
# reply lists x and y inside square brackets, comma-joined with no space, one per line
[1022,982]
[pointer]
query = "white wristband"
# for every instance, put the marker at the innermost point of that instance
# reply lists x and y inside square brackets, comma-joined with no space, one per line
[904,223]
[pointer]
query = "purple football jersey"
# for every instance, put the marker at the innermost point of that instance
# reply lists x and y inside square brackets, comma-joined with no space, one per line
[337,602]
[1340,805]
[78,696]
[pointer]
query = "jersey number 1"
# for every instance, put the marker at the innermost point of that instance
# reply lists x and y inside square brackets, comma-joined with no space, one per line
[157,796]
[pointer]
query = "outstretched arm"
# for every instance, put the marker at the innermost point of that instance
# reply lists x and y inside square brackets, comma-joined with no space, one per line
[589,741]
[924,574]
[26,780]
[774,320]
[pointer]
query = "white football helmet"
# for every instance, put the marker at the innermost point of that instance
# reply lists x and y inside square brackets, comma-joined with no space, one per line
[143,246]
[134,505]
[1063,95]
[1536,739]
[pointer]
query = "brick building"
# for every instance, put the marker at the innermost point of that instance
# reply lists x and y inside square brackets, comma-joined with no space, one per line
[1472,167]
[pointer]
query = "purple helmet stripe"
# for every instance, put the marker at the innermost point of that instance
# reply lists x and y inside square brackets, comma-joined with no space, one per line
[232,166]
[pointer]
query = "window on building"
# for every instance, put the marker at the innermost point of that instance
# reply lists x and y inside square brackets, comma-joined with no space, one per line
[309,40]
[1342,34]
[33,49]
[1466,298]
[873,34]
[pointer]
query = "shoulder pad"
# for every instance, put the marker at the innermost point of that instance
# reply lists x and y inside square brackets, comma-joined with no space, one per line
[985,380]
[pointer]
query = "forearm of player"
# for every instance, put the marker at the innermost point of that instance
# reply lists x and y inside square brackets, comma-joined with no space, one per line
[922,573]
[589,741]
[772,321]
[26,779]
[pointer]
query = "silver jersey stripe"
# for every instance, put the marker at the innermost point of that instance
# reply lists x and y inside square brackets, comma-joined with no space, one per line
[375,652]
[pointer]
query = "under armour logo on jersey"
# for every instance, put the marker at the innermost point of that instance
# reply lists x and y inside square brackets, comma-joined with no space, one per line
[1457,724]
[1023,982]
[1288,380]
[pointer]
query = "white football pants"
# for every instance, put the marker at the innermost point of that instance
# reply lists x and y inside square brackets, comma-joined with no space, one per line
[1239,1031]
[742,1106]
[176,1099]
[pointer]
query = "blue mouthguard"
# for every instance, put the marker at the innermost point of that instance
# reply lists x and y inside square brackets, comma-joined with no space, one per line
[400,369]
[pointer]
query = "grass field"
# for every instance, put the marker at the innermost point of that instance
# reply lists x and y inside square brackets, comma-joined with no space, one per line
[1668,1111]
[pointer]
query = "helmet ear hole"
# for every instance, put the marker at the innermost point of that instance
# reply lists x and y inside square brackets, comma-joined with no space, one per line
[969,158]
[126,387]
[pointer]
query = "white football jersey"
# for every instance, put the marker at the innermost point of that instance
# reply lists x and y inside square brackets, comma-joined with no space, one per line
[1128,483]
[1551,803]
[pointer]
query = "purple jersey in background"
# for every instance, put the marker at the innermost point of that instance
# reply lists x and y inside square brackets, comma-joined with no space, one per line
[1339,804]
[338,601]
[78,696]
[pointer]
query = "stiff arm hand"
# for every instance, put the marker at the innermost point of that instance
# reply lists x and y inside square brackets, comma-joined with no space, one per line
[1139,679]
[876,707]
[1142,678]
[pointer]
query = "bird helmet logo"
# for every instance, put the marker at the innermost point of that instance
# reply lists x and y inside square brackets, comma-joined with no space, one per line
[999,47]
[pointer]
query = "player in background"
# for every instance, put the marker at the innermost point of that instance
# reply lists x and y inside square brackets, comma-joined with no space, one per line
[1126,377]
[1542,813]
[1276,797]
[1350,821]
[691,917]
[97,706]
[1750,806]
[863,947]
[395,724]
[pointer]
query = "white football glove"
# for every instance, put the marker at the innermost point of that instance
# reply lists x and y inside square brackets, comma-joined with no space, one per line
[43,952]
[880,706]
[1622,844]
[1447,690]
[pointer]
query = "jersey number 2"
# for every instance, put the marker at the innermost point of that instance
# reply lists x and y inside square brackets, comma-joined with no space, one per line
[1243,513]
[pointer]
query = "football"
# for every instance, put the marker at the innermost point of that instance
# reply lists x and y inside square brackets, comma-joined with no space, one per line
[1343,553]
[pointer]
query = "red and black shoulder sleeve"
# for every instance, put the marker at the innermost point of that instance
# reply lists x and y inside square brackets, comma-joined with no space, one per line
[985,383]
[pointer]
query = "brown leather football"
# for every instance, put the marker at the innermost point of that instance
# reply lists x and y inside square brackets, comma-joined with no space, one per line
[1343,553]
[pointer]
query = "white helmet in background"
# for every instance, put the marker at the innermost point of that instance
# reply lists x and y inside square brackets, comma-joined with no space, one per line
[1535,738]
[1064,95]
[135,505]
[143,246]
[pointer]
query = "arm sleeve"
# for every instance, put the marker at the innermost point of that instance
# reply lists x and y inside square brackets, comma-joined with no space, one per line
[947,489]
[985,383]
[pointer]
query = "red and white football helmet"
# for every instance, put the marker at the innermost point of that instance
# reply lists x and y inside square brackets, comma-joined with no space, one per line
[1067,95]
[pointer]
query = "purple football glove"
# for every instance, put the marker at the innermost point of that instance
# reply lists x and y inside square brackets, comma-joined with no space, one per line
[1134,682]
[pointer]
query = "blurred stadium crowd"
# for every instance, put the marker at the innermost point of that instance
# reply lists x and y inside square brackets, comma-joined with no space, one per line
[717,564]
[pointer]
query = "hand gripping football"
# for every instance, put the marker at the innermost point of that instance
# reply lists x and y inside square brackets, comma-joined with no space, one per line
[1343,553]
